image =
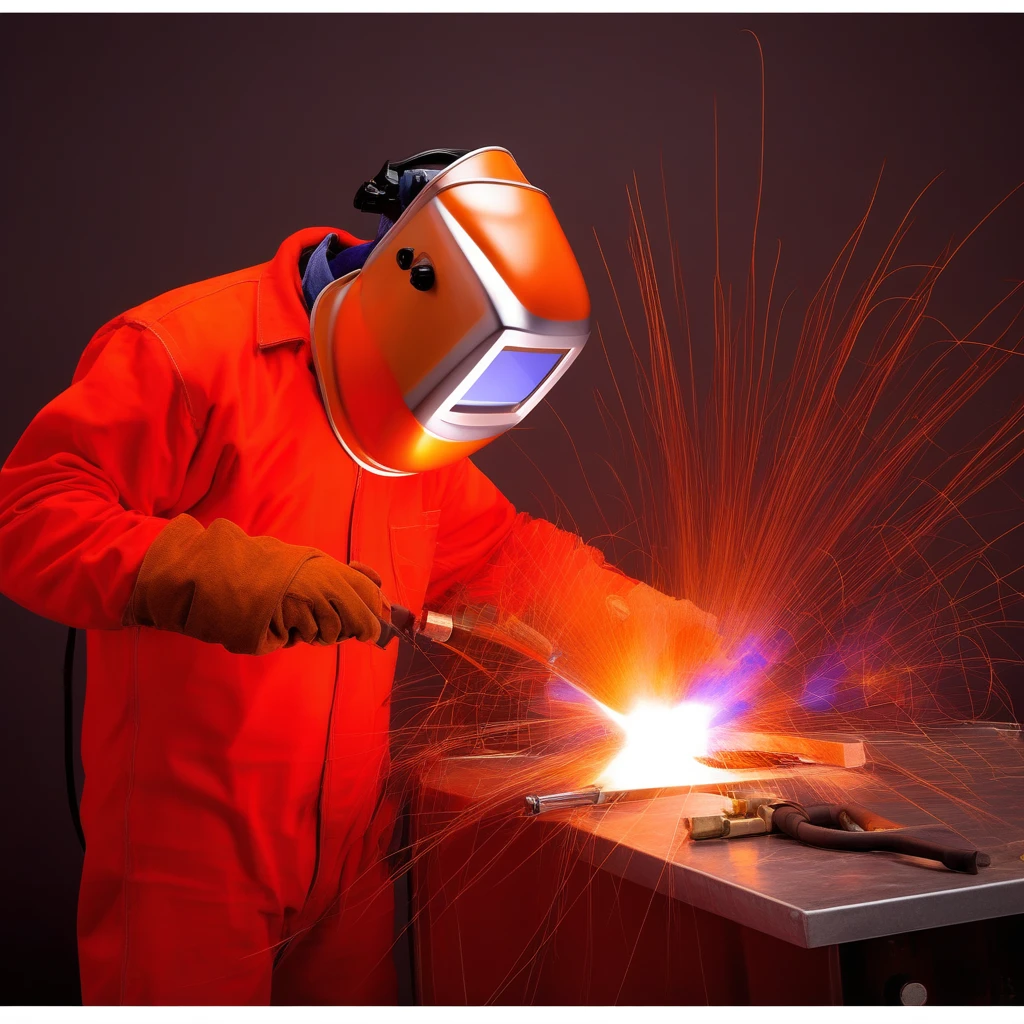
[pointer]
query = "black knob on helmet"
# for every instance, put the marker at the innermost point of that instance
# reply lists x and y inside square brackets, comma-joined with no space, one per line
[421,277]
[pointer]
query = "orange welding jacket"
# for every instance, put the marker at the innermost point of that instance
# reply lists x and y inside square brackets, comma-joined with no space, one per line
[220,787]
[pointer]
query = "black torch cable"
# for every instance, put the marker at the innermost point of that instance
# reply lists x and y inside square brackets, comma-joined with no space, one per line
[69,734]
[819,825]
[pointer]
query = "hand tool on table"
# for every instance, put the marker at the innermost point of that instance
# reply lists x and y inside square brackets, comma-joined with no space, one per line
[844,827]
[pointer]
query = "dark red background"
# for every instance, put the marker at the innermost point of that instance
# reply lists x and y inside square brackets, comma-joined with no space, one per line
[143,152]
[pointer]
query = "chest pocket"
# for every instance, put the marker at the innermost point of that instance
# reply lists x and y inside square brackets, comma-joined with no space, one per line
[413,540]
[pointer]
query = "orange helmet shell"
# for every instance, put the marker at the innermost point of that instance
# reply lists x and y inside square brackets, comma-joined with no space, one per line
[416,379]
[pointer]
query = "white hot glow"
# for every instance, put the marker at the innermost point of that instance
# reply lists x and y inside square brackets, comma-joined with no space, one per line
[661,744]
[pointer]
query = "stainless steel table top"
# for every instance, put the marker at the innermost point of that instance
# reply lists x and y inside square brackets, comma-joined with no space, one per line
[968,777]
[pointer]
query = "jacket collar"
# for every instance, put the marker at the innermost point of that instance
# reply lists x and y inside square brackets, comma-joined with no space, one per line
[281,314]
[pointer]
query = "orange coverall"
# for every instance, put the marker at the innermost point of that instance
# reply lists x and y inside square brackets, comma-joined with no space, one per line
[231,802]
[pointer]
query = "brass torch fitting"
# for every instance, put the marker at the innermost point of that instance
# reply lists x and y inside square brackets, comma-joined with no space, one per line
[720,826]
[749,814]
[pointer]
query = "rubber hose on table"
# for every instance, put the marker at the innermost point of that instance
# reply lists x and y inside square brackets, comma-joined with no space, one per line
[819,825]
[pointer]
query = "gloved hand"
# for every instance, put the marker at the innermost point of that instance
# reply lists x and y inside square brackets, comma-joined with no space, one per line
[253,595]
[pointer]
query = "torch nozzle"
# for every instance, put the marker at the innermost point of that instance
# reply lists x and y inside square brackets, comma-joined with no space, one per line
[480,621]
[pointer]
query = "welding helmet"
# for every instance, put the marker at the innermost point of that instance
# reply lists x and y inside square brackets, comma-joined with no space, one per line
[466,312]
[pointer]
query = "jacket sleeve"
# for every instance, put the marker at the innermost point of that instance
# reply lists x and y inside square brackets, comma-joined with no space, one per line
[81,494]
[487,553]
[614,636]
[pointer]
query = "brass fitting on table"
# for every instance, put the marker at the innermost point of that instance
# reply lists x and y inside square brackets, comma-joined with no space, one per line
[746,805]
[750,814]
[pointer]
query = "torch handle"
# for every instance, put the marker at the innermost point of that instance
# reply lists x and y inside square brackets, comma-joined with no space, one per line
[402,624]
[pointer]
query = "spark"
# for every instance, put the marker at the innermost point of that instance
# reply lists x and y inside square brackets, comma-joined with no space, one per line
[661,745]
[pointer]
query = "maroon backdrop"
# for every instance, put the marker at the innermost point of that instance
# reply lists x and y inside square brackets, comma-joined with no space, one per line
[143,152]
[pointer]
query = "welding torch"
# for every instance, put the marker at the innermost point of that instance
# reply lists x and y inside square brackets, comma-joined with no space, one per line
[406,625]
[479,621]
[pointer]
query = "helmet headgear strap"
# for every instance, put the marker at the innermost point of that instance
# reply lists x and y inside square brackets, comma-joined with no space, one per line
[396,184]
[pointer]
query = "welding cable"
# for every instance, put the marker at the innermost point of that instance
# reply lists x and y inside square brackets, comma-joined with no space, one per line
[822,825]
[69,735]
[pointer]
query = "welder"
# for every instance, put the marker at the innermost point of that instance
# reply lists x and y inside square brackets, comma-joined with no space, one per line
[242,476]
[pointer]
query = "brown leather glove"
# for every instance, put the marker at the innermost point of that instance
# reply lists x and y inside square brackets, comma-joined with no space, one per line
[253,595]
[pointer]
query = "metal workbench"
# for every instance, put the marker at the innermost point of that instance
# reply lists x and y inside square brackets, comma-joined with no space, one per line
[614,903]
[970,778]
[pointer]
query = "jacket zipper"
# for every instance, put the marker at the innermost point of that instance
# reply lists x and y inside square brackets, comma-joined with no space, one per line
[330,716]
